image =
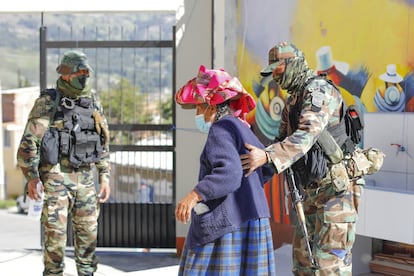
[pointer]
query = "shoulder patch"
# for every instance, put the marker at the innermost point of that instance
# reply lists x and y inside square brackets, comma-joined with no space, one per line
[318,98]
[317,89]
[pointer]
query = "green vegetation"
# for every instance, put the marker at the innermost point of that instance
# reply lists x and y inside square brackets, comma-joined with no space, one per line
[5,204]
[134,85]
[125,104]
[19,45]
[18,68]
[166,110]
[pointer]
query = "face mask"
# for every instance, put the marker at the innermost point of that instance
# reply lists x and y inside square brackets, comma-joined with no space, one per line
[201,124]
[79,82]
[279,71]
[278,77]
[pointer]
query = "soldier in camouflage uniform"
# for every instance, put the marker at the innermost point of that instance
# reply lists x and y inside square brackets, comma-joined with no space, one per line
[313,105]
[67,178]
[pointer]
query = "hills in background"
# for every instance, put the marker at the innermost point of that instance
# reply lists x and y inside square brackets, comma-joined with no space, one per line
[19,40]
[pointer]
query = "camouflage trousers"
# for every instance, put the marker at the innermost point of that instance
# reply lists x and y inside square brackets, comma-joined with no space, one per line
[69,193]
[331,219]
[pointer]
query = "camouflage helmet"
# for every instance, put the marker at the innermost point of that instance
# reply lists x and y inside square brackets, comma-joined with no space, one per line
[73,61]
[278,54]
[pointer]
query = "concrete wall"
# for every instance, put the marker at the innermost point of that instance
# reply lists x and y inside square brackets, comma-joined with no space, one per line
[206,34]
[194,47]
[388,200]
[17,104]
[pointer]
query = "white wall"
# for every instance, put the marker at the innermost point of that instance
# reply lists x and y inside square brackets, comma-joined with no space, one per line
[386,131]
[198,30]
[386,210]
[387,215]
[225,36]
[194,36]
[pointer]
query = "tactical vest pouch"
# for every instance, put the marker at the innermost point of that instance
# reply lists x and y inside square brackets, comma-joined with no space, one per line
[49,149]
[86,148]
[364,162]
[354,123]
[376,157]
[65,142]
[339,177]
[330,147]
[80,141]
[312,167]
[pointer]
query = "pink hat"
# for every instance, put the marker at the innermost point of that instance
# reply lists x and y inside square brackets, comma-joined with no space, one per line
[214,87]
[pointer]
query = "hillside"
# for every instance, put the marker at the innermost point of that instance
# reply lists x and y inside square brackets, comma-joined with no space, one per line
[19,37]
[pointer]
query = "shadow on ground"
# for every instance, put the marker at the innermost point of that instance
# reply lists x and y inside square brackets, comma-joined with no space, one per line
[135,261]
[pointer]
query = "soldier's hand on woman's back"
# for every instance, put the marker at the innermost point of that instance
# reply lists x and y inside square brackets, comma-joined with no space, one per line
[252,160]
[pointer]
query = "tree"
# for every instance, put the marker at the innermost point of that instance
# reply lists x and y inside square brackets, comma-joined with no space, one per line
[125,104]
[22,82]
[166,110]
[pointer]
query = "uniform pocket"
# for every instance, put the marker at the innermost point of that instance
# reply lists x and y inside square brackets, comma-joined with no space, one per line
[338,223]
[211,222]
[337,235]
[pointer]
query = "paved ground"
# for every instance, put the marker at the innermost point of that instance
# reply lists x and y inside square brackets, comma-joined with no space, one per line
[29,262]
[20,254]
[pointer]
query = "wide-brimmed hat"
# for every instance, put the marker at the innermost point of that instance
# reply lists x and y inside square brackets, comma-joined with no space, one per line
[213,87]
[277,54]
[391,74]
[325,61]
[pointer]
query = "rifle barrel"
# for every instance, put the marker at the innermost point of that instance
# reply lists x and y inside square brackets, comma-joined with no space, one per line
[298,206]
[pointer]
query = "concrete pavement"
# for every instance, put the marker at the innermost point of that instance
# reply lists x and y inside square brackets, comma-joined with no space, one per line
[29,262]
[21,254]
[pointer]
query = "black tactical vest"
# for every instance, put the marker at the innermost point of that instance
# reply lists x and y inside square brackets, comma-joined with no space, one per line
[73,134]
[346,135]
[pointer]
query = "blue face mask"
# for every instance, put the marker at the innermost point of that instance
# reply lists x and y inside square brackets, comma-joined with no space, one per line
[201,124]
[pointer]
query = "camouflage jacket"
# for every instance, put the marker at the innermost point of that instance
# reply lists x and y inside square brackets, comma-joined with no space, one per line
[28,154]
[319,107]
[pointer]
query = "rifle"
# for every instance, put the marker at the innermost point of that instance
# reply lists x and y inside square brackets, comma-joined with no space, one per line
[297,199]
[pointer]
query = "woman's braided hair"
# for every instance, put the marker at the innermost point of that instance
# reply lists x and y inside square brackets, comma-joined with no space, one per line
[223,109]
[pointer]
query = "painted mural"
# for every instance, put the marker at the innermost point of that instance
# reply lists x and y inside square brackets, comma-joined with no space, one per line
[365,47]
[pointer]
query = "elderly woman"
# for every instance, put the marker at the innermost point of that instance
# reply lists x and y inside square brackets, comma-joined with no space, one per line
[230,231]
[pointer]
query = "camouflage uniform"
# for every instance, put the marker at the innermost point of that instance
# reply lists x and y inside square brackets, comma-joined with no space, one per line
[330,215]
[67,190]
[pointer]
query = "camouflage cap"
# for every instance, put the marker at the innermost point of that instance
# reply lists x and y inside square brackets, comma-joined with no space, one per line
[73,61]
[278,54]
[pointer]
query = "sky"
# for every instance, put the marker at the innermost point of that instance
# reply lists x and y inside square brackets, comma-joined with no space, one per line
[88,5]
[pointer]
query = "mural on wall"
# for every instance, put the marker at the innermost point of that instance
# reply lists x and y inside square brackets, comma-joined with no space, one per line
[368,56]
[367,52]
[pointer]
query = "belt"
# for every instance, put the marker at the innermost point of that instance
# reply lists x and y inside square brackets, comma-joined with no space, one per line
[319,184]
[70,169]
[312,185]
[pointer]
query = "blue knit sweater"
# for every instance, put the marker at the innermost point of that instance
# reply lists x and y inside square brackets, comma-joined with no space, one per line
[231,197]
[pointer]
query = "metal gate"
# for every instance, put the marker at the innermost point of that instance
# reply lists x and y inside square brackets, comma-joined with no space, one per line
[135,82]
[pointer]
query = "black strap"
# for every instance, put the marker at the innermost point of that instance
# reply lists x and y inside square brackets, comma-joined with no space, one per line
[55,96]
[354,123]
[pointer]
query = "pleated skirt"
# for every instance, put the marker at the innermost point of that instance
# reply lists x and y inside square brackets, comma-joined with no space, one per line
[247,251]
